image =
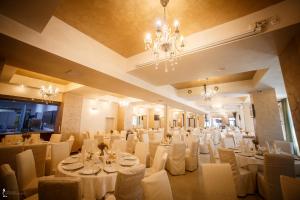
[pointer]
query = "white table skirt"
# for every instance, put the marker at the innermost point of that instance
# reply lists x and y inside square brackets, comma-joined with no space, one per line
[256,163]
[94,186]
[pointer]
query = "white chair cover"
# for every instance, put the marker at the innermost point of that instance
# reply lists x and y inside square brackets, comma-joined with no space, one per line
[59,152]
[191,157]
[145,138]
[128,183]
[290,188]
[218,182]
[26,173]
[39,154]
[176,159]
[274,166]
[286,147]
[55,138]
[159,161]
[211,150]
[157,186]
[130,143]
[245,182]
[8,155]
[228,142]
[54,188]
[141,152]
[152,150]
[8,181]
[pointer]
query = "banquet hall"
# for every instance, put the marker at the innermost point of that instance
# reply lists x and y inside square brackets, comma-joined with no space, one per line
[150,99]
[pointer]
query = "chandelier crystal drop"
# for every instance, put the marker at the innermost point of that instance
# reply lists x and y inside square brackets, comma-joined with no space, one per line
[208,93]
[168,43]
[49,92]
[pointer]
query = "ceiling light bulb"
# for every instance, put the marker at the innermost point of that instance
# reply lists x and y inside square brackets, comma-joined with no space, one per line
[158,24]
[148,37]
[176,24]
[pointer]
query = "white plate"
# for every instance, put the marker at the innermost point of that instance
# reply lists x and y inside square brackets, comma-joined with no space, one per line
[70,160]
[247,154]
[72,166]
[89,171]
[129,158]
[127,163]
[75,156]
[123,154]
[110,169]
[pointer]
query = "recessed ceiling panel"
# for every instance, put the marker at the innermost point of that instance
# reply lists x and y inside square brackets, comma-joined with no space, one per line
[121,25]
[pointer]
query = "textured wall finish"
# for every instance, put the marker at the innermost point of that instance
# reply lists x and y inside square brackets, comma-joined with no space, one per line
[290,66]
[267,119]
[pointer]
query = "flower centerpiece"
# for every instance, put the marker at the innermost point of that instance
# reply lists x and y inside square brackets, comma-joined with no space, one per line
[169,138]
[102,146]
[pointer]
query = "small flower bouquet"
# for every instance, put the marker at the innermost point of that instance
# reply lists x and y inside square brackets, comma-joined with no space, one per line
[102,146]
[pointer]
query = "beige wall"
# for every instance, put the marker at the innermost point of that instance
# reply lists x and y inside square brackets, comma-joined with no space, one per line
[121,120]
[290,66]
[267,119]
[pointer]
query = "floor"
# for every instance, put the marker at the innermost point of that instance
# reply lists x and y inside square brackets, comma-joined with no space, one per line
[189,186]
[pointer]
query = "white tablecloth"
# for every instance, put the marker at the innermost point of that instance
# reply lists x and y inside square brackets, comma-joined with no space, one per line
[256,164]
[94,186]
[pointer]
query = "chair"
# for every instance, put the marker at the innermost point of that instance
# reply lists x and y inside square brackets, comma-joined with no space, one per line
[8,155]
[55,138]
[39,153]
[286,147]
[12,139]
[152,150]
[130,143]
[211,152]
[176,159]
[71,142]
[128,183]
[244,179]
[191,157]
[157,186]
[290,188]
[269,182]
[218,182]
[59,188]
[159,161]
[35,138]
[26,173]
[145,138]
[59,152]
[228,142]
[141,152]
[8,181]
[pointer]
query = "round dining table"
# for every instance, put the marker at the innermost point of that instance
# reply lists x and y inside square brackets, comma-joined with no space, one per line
[97,177]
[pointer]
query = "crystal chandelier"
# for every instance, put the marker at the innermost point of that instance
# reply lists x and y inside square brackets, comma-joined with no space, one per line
[48,93]
[207,92]
[167,41]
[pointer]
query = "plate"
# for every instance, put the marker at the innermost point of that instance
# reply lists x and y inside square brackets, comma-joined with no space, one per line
[90,171]
[259,157]
[73,166]
[110,169]
[127,163]
[129,158]
[70,160]
[165,144]
[237,151]
[75,156]
[246,154]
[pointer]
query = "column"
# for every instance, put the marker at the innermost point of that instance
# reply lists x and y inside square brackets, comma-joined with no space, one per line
[266,115]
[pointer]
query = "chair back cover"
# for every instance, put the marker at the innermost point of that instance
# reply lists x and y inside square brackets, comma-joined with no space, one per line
[218,182]
[176,159]
[130,143]
[152,150]
[39,153]
[228,156]
[59,152]
[211,151]
[8,181]
[290,188]
[157,186]
[276,165]
[141,152]
[55,138]
[128,183]
[286,147]
[228,142]
[8,155]
[55,188]
[26,172]
[160,159]
[71,142]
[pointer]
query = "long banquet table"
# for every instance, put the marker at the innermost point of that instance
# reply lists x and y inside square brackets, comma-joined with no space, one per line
[97,184]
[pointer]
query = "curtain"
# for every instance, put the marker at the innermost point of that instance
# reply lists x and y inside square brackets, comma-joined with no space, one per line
[288,124]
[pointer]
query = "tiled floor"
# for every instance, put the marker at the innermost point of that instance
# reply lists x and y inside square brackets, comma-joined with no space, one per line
[190,185]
